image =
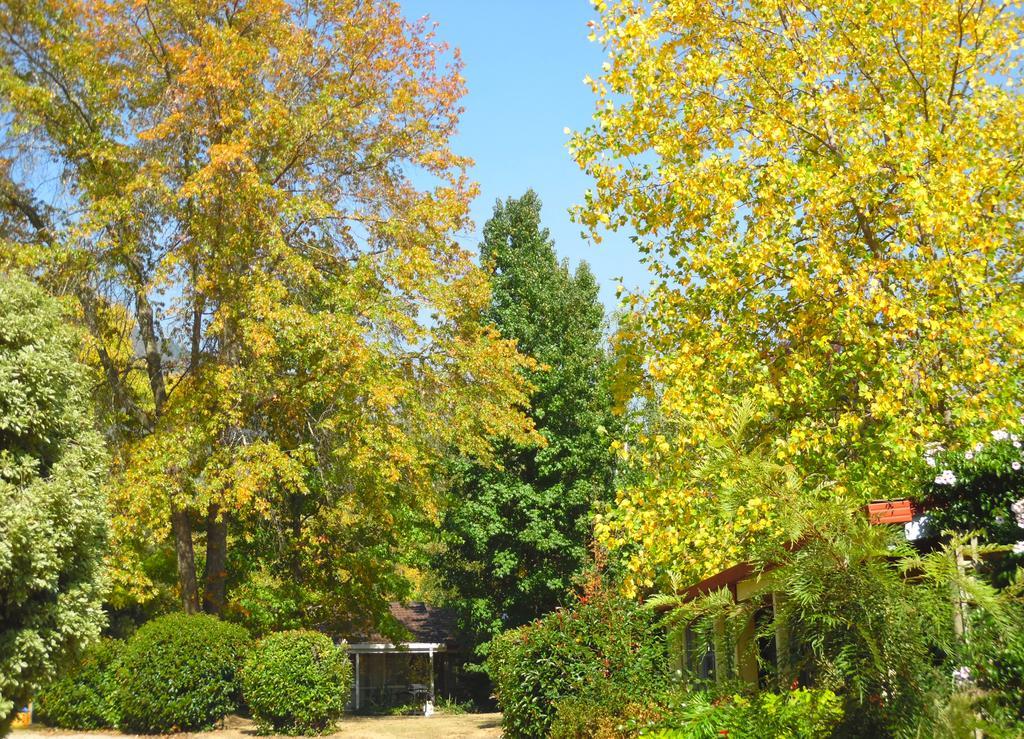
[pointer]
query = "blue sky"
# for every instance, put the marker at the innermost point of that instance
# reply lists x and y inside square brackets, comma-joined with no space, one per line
[524,66]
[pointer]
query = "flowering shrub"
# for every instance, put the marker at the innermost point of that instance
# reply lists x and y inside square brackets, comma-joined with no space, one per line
[978,489]
[571,653]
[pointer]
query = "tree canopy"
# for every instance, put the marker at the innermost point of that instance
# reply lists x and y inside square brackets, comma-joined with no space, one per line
[518,532]
[254,208]
[53,529]
[829,198]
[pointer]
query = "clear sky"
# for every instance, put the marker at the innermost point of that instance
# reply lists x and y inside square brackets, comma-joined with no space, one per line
[524,66]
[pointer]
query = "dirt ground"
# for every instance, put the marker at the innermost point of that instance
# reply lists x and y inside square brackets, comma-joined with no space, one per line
[467,726]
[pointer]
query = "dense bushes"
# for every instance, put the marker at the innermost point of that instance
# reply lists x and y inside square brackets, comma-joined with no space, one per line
[178,673]
[296,682]
[83,696]
[574,654]
[599,671]
[185,672]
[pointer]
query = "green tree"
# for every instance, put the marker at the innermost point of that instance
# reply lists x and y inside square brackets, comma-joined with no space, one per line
[518,532]
[52,525]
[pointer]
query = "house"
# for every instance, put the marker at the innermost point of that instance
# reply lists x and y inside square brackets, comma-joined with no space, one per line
[425,667]
[747,584]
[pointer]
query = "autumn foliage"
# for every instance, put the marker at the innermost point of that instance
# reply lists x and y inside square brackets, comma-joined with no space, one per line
[255,211]
[829,198]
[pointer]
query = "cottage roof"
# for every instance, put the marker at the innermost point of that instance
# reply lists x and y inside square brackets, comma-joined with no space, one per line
[426,623]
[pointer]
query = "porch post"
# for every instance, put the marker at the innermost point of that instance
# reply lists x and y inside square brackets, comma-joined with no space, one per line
[357,681]
[783,660]
[721,661]
[431,673]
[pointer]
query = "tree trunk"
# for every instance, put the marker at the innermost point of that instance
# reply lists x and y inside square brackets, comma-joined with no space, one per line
[296,552]
[145,319]
[215,577]
[182,526]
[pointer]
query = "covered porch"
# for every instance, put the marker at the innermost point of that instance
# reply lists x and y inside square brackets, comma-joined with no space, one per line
[389,675]
[426,667]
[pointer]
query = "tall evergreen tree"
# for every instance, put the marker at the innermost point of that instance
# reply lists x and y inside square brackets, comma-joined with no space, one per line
[517,533]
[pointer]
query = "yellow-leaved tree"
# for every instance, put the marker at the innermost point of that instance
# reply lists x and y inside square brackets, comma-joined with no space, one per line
[254,203]
[829,198]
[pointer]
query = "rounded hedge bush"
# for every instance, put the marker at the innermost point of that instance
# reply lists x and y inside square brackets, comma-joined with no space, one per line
[178,673]
[296,682]
[82,696]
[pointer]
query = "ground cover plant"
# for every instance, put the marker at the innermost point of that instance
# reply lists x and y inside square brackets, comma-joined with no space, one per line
[179,673]
[296,682]
[797,714]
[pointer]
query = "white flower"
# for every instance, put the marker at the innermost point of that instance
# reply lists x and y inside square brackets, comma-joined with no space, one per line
[915,528]
[930,461]
[1000,435]
[1016,444]
[979,446]
[1015,464]
[962,675]
[1018,547]
[946,478]
[969,455]
[1018,512]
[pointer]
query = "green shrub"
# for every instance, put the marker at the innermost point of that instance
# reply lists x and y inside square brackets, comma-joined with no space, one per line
[798,714]
[82,697]
[296,682]
[53,523]
[178,673]
[574,653]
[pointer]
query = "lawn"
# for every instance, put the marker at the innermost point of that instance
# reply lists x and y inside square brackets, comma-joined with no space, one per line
[465,726]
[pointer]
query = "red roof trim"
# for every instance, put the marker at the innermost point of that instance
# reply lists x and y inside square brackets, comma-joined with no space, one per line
[890,511]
